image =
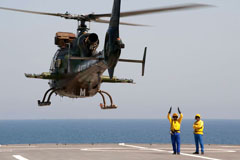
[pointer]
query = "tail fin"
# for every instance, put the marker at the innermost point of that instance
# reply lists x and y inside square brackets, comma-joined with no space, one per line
[114,21]
[113,44]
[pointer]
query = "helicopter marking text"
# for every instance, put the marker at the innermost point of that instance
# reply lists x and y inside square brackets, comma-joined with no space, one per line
[82,92]
[85,66]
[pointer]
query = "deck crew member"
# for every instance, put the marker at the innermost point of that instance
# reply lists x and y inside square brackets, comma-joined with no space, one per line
[175,123]
[198,127]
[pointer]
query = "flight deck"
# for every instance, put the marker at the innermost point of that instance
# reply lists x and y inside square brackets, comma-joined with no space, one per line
[121,151]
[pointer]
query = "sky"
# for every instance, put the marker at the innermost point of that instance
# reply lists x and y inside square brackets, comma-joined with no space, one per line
[192,60]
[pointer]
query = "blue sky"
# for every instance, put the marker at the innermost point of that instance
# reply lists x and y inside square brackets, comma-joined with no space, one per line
[192,60]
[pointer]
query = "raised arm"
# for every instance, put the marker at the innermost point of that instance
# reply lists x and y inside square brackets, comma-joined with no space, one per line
[181,115]
[168,116]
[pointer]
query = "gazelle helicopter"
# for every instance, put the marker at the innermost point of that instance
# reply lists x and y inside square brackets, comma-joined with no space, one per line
[77,67]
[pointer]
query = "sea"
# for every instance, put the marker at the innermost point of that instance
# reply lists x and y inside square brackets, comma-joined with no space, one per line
[113,131]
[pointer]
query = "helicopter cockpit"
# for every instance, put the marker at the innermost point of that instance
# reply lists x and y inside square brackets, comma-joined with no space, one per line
[63,40]
[85,45]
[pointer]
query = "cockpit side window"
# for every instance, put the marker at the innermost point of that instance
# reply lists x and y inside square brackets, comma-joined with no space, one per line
[53,63]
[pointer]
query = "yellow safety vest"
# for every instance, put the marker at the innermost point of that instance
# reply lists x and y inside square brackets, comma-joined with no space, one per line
[175,125]
[198,127]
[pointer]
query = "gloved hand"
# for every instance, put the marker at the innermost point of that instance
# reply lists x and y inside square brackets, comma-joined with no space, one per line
[179,111]
[170,110]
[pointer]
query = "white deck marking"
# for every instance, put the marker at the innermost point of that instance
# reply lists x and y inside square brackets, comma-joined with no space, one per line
[230,146]
[132,150]
[163,149]
[25,146]
[206,149]
[159,150]
[19,157]
[21,146]
[112,150]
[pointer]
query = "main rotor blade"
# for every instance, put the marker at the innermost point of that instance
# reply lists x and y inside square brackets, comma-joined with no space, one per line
[33,12]
[155,10]
[122,23]
[95,17]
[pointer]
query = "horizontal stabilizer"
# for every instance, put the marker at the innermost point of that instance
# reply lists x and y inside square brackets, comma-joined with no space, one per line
[107,79]
[120,60]
[44,75]
[137,61]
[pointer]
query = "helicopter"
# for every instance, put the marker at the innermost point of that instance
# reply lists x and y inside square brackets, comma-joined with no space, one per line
[77,68]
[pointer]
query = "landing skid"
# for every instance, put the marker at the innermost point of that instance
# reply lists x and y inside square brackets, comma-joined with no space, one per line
[103,105]
[47,103]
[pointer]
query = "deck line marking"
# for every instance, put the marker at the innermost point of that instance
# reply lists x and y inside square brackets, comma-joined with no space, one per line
[159,150]
[85,149]
[230,146]
[19,157]
[112,150]
[21,146]
[208,149]
[132,149]
[97,149]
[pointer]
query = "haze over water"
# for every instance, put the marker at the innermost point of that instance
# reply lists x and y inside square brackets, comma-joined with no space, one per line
[112,131]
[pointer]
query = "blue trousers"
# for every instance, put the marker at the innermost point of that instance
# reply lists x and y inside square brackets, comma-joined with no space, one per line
[176,142]
[198,139]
